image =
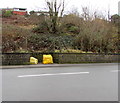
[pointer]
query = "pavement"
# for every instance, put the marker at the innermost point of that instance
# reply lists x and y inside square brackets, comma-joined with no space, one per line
[66,82]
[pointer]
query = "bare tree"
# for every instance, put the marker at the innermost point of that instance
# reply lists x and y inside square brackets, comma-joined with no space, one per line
[55,10]
[86,13]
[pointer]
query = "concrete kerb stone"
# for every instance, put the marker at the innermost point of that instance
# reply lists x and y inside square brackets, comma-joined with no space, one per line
[39,66]
[51,65]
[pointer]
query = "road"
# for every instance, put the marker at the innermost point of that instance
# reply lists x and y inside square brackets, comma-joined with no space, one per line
[84,82]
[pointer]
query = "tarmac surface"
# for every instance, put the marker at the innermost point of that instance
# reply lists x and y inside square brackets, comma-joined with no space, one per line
[60,82]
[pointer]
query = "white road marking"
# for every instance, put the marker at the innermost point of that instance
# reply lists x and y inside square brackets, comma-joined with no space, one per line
[116,71]
[41,75]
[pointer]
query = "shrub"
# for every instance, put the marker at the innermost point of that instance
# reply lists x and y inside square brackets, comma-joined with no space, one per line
[74,30]
[7,13]
[41,28]
[97,36]
[40,42]
[49,42]
[14,38]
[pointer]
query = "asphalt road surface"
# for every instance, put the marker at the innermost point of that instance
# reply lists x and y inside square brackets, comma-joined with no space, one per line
[84,82]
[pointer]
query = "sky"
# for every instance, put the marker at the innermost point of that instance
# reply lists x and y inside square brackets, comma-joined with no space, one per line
[94,5]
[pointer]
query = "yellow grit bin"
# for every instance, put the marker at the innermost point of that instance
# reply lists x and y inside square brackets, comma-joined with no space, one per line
[47,59]
[33,60]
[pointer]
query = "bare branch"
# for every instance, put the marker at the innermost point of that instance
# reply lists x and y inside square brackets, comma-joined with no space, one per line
[62,8]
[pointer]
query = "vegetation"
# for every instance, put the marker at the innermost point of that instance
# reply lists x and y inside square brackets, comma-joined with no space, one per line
[14,38]
[7,14]
[55,32]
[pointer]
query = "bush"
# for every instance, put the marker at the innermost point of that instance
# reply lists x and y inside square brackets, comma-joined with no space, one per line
[7,13]
[35,19]
[49,42]
[74,30]
[97,36]
[41,28]
[40,42]
[14,38]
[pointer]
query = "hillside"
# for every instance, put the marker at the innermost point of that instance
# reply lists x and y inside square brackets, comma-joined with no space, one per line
[72,34]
